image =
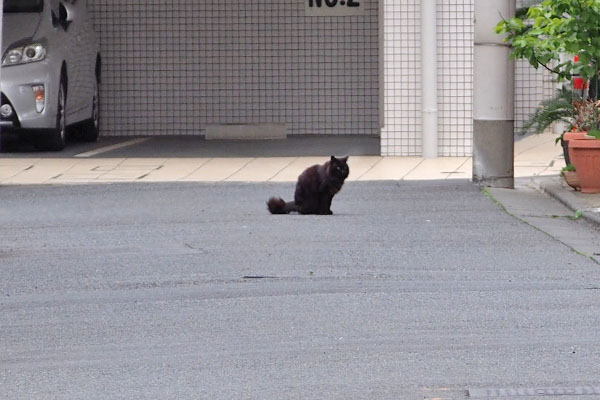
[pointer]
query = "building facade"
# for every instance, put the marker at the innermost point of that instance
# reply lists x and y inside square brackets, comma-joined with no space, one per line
[348,67]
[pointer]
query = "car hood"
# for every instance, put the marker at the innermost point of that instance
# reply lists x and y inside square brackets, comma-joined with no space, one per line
[17,27]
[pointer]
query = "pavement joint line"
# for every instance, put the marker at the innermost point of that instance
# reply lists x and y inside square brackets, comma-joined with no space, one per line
[111,169]
[282,168]
[467,159]
[102,173]
[413,168]
[370,168]
[111,147]
[526,150]
[206,161]
[447,174]
[533,146]
[18,171]
[238,170]
[66,172]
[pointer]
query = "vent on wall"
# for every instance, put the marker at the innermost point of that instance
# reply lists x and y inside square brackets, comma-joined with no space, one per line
[245,131]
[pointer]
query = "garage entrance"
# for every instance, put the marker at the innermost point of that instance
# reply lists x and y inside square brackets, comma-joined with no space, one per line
[174,68]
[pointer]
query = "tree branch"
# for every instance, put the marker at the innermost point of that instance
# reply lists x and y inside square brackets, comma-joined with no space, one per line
[554,71]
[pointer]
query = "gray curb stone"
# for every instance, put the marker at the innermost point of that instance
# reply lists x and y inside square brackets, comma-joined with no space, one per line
[554,186]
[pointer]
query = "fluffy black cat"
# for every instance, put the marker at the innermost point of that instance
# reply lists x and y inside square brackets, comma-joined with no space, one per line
[315,189]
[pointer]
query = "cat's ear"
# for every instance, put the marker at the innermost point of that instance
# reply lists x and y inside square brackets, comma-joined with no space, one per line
[343,159]
[333,158]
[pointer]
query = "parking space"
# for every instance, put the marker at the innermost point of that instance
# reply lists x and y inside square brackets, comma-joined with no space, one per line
[197,146]
[13,148]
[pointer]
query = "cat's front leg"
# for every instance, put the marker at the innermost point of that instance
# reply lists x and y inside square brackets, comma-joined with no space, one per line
[325,205]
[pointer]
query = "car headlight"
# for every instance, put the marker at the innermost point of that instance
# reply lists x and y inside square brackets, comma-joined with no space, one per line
[24,54]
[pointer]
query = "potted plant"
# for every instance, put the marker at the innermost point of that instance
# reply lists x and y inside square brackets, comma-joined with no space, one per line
[586,119]
[585,154]
[569,173]
[567,107]
[544,36]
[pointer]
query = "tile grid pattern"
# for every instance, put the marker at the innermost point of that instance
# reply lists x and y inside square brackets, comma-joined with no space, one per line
[401,134]
[172,68]
[531,86]
[455,32]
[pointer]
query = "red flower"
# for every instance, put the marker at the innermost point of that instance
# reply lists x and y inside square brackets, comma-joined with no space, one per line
[579,83]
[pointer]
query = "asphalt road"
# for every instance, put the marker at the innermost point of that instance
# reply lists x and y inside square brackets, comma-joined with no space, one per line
[410,290]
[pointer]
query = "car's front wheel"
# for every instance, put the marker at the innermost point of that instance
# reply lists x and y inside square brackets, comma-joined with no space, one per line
[57,137]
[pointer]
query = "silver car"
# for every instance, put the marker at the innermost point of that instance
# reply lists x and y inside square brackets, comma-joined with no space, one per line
[50,71]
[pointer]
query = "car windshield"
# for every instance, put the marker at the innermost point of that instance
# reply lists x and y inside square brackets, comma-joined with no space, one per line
[16,6]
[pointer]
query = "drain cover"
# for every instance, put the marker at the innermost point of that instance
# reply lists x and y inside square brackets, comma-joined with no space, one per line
[540,391]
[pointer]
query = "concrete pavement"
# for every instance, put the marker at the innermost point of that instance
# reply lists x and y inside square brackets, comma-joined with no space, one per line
[534,156]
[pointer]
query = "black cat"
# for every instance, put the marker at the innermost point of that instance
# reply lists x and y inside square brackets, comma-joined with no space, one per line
[315,189]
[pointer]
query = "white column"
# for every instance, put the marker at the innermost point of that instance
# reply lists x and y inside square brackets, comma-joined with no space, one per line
[493,102]
[429,79]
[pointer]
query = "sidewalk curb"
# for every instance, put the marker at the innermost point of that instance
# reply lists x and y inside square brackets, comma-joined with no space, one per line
[557,189]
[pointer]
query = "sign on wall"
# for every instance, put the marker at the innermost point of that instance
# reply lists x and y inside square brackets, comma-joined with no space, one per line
[328,8]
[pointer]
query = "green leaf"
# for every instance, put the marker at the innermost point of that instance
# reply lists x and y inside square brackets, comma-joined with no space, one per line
[558,27]
[595,133]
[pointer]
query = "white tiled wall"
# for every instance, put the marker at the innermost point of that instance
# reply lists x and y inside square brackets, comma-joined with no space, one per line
[402,134]
[455,33]
[171,68]
[531,87]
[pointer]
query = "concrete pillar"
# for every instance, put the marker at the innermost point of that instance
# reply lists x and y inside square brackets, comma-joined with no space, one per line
[493,108]
[429,93]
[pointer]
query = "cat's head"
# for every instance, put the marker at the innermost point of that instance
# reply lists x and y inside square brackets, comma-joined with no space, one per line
[338,167]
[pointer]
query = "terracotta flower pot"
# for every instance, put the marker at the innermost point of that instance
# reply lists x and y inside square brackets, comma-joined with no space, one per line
[567,137]
[585,155]
[572,179]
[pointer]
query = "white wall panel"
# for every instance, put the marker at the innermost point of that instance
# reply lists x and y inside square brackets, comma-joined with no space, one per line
[401,134]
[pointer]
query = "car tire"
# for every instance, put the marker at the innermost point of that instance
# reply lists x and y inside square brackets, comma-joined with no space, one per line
[57,137]
[90,130]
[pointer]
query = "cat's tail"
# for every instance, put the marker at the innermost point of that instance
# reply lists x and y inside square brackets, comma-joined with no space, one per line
[277,205]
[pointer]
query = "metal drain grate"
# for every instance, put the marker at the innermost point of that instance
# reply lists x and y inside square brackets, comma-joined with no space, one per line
[541,391]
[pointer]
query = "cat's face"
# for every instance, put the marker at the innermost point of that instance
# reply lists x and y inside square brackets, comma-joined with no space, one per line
[338,167]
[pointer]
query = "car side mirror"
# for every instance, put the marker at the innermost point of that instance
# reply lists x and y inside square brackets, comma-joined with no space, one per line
[66,14]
